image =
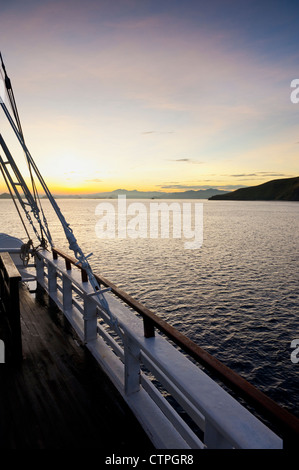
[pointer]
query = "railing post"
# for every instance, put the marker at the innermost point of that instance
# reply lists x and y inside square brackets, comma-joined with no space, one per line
[132,366]
[52,278]
[2,352]
[66,292]
[90,319]
[10,280]
[15,321]
[39,263]
[148,327]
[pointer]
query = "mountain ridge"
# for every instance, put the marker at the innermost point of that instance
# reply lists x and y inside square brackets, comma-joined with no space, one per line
[189,194]
[135,194]
[285,189]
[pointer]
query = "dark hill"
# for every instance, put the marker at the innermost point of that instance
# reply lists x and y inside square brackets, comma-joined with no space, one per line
[286,189]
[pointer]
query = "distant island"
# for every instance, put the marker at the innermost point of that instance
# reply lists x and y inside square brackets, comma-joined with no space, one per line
[286,189]
[134,194]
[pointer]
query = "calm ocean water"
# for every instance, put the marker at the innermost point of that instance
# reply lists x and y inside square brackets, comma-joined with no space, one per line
[237,296]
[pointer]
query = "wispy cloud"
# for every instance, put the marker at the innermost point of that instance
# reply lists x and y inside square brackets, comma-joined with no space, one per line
[186,160]
[259,174]
[200,186]
[157,132]
[93,180]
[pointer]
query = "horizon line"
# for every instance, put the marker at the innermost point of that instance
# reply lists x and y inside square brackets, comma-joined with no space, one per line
[182,191]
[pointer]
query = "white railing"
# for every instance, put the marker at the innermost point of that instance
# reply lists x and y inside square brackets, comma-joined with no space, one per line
[150,373]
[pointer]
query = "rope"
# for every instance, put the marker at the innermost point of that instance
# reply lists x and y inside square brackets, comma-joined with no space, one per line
[14,201]
[10,94]
[25,252]
[16,126]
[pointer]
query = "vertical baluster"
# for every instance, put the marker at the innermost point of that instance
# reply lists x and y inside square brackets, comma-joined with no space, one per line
[52,278]
[66,292]
[14,318]
[2,352]
[132,366]
[90,319]
[39,263]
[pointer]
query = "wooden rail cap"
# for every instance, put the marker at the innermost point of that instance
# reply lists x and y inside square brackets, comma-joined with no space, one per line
[7,263]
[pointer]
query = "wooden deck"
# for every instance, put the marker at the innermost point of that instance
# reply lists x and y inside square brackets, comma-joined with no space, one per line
[58,398]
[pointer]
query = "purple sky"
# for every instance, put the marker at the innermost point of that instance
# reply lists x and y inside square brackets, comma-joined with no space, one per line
[154,94]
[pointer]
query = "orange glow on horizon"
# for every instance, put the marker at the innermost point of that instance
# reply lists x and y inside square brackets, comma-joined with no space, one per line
[73,189]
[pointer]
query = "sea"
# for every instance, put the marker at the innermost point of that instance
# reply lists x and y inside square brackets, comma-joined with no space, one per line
[236,295]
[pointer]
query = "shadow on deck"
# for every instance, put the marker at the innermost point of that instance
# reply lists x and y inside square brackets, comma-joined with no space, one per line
[58,397]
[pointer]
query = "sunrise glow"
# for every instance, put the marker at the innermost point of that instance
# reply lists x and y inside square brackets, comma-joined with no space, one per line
[154,95]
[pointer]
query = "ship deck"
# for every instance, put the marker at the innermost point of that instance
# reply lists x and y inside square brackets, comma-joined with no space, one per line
[58,397]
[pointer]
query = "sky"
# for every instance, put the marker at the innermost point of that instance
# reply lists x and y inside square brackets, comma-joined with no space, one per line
[160,95]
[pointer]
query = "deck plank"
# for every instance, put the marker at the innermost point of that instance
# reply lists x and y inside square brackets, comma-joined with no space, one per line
[59,398]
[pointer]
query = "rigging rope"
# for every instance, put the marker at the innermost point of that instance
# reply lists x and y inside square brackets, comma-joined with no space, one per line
[12,101]
[26,247]
[73,245]
[14,201]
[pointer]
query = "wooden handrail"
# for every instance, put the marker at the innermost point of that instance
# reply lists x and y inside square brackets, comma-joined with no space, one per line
[69,261]
[287,423]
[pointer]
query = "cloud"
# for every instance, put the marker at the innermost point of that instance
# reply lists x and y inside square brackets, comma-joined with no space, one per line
[157,132]
[94,180]
[200,186]
[182,186]
[243,175]
[258,174]
[186,160]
